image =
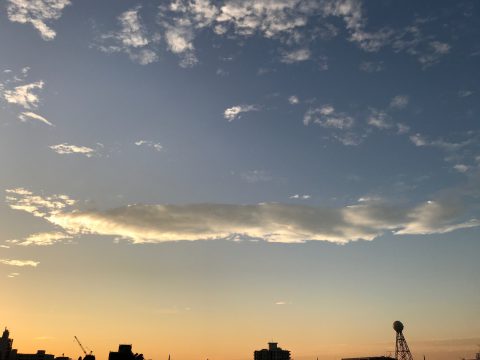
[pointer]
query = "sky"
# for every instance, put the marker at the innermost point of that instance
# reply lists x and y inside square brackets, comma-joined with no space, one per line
[197,177]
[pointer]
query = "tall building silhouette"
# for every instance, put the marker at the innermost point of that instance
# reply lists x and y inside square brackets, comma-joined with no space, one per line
[5,345]
[272,353]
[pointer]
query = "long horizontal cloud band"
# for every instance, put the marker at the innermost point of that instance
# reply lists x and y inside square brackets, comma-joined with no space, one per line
[271,221]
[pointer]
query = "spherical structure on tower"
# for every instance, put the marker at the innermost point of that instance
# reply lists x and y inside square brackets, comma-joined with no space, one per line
[398,326]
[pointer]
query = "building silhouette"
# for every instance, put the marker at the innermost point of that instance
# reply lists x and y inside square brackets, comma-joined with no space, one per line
[124,353]
[370,358]
[5,345]
[272,353]
[8,353]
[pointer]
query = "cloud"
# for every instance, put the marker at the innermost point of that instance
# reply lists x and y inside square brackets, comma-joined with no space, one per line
[20,263]
[462,168]
[402,128]
[293,100]
[340,124]
[23,95]
[39,206]
[296,56]
[13,274]
[298,196]
[65,149]
[181,20]
[460,149]
[418,140]
[26,115]
[37,13]
[132,38]
[150,144]
[271,222]
[399,101]
[42,239]
[465,93]
[372,66]
[379,119]
[234,112]
[327,117]
[255,176]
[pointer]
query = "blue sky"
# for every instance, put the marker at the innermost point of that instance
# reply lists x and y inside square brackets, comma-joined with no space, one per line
[139,124]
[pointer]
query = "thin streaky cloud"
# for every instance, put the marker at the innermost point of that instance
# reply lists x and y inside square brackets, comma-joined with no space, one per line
[28,115]
[150,144]
[235,112]
[19,263]
[66,149]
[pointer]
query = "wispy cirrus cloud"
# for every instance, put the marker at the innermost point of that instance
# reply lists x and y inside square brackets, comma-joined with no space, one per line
[29,115]
[150,144]
[42,239]
[295,56]
[19,263]
[372,66]
[66,149]
[38,13]
[132,38]
[460,149]
[234,112]
[300,196]
[256,176]
[399,101]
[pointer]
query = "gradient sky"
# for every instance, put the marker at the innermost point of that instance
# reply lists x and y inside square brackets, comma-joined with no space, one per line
[198,178]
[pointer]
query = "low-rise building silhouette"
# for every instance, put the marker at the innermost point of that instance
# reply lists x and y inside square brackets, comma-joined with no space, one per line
[124,353]
[370,358]
[274,352]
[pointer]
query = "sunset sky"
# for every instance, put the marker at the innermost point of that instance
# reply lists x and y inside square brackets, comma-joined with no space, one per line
[199,177]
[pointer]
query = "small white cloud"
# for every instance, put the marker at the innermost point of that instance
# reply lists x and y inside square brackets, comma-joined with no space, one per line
[281,303]
[65,149]
[462,168]
[465,93]
[19,263]
[150,144]
[13,274]
[326,116]
[37,13]
[28,115]
[296,56]
[399,101]
[299,196]
[379,119]
[234,112]
[293,100]
[23,95]
[440,47]
[418,140]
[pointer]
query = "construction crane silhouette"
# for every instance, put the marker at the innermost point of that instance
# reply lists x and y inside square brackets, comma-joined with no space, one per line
[402,352]
[88,356]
